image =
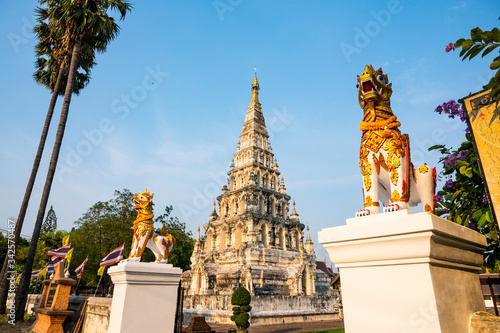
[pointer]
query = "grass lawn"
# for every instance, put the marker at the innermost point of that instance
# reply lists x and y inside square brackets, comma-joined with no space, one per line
[335,330]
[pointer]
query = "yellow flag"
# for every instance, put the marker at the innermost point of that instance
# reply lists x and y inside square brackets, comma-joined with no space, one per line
[68,256]
[43,272]
[65,240]
[68,259]
[101,270]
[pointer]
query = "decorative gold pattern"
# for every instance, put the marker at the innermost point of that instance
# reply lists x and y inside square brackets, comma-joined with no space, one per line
[369,202]
[366,169]
[384,125]
[423,168]
[394,176]
[394,150]
[428,209]
[396,197]
[374,141]
[406,191]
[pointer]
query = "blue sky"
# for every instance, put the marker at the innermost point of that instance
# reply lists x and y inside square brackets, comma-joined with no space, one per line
[167,100]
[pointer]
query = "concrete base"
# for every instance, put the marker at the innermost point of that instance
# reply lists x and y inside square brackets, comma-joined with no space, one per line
[407,272]
[144,298]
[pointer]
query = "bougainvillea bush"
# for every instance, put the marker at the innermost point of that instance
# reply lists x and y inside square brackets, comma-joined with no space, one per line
[463,198]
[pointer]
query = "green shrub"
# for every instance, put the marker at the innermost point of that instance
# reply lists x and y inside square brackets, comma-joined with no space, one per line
[240,316]
[245,308]
[241,319]
[241,296]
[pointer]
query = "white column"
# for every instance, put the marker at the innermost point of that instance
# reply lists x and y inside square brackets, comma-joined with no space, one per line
[144,298]
[407,272]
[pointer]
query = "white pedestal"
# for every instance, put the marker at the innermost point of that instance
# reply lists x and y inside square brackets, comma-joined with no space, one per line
[406,272]
[144,297]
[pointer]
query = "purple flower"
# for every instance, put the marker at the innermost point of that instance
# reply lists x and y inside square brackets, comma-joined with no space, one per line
[450,161]
[485,199]
[473,224]
[452,109]
[462,116]
[445,210]
[439,198]
[450,47]
[461,155]
[449,184]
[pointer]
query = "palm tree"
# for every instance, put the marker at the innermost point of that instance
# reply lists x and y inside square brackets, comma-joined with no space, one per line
[51,72]
[82,22]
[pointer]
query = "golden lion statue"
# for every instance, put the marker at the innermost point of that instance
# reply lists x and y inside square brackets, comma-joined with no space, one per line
[384,156]
[144,234]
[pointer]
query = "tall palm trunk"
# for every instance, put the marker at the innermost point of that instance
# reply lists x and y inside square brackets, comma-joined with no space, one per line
[22,290]
[29,188]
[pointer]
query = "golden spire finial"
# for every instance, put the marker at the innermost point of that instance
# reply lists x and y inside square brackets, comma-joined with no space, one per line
[255,83]
[255,88]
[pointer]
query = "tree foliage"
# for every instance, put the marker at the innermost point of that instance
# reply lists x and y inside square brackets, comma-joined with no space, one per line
[485,42]
[180,256]
[50,223]
[47,242]
[104,227]
[4,242]
[463,197]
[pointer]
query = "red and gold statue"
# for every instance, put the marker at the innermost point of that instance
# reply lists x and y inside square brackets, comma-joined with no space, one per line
[144,233]
[384,156]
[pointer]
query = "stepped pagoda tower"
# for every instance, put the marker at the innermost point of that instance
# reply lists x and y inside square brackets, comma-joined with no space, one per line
[252,240]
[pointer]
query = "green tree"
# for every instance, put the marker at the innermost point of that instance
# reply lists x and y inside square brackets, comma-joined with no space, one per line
[104,227]
[50,223]
[485,42]
[48,241]
[180,256]
[81,22]
[463,197]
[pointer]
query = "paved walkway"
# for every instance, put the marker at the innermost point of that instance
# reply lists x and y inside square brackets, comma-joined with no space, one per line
[285,328]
